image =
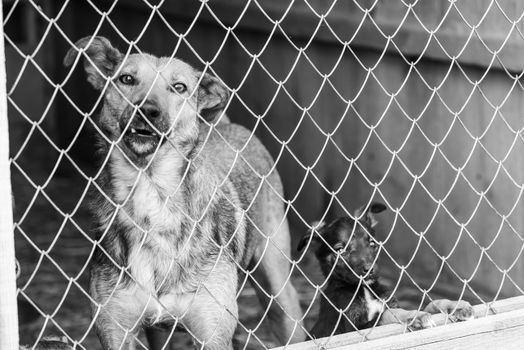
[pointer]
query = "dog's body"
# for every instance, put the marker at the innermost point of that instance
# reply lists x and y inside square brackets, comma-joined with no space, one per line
[362,307]
[198,204]
[347,256]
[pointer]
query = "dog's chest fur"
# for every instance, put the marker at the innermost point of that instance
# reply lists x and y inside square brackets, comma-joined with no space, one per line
[171,223]
[373,306]
[363,305]
[149,199]
[157,228]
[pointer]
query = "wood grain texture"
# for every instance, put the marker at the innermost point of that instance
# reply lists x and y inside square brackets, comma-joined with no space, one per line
[493,324]
[411,29]
[497,331]
[8,305]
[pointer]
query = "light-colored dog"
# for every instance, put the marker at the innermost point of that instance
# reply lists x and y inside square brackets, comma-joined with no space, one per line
[183,206]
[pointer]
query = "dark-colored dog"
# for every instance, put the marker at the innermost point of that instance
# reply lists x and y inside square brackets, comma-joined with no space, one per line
[182,205]
[347,253]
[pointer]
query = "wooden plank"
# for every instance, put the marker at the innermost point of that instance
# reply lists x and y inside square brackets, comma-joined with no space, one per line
[484,333]
[410,39]
[8,305]
[508,338]
[392,330]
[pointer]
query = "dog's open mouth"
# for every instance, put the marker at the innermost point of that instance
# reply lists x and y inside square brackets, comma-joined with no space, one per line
[370,276]
[143,132]
[141,138]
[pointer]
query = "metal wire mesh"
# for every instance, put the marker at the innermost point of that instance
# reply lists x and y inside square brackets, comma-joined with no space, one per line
[344,127]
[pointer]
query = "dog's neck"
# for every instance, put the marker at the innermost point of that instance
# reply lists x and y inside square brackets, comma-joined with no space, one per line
[162,175]
[343,294]
[156,196]
[336,284]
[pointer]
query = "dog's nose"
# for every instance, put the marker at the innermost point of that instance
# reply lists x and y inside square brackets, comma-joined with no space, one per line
[150,111]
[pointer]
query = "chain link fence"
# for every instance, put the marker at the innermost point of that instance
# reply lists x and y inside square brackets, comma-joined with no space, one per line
[414,104]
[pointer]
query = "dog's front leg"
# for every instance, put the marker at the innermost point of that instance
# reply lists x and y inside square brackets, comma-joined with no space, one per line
[413,318]
[212,313]
[117,316]
[113,336]
[459,310]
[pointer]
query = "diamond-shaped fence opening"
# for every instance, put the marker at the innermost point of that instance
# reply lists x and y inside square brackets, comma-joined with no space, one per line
[215,203]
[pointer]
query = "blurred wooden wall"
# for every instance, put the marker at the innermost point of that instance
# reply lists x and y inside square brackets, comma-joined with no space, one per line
[429,124]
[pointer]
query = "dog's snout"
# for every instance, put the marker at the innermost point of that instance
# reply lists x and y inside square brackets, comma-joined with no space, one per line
[369,267]
[150,110]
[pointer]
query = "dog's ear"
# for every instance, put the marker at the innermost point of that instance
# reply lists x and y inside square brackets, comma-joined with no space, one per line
[319,226]
[102,54]
[212,97]
[366,214]
[304,240]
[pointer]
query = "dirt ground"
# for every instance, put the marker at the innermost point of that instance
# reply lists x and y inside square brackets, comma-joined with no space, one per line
[54,250]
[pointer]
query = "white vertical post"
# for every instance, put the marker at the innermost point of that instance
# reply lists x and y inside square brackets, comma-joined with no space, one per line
[8,307]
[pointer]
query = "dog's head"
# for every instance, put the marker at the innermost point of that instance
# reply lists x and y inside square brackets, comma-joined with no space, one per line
[346,242]
[148,100]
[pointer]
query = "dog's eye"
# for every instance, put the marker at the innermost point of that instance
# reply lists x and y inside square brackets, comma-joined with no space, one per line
[339,247]
[127,79]
[372,244]
[179,87]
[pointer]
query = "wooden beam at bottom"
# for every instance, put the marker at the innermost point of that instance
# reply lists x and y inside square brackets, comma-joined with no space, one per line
[492,332]
[504,317]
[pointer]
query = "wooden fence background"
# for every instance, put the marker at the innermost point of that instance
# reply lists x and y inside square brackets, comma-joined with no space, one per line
[449,90]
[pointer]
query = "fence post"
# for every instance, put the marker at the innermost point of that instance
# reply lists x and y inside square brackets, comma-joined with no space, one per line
[8,306]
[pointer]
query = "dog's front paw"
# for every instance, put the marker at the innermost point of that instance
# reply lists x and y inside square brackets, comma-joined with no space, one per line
[420,320]
[463,312]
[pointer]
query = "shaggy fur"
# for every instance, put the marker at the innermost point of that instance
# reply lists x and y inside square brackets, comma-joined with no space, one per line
[347,253]
[197,200]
